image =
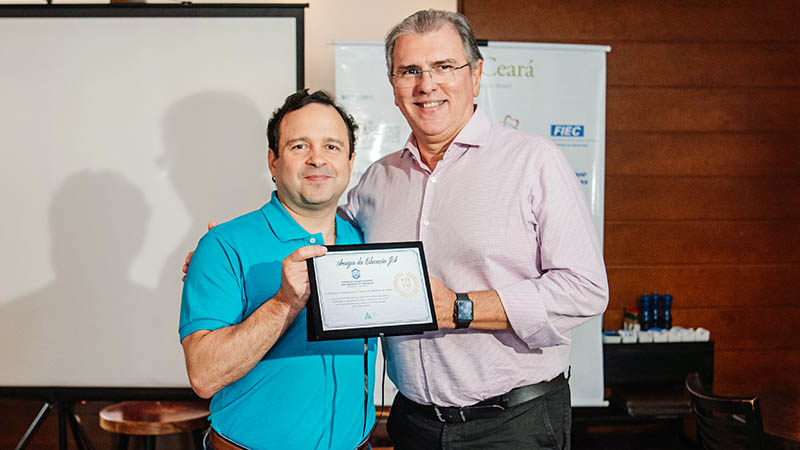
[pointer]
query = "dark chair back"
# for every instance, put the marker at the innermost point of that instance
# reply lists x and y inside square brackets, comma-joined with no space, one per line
[725,423]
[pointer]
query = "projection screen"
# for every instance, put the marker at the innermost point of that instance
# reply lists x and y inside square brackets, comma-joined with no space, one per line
[123,130]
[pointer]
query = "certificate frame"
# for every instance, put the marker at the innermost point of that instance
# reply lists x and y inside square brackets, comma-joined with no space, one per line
[316,330]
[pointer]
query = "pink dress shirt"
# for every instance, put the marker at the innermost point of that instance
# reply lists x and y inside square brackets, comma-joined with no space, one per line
[502,211]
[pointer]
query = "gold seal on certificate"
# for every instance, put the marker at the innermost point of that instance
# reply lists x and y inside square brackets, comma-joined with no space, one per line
[369,290]
[406,284]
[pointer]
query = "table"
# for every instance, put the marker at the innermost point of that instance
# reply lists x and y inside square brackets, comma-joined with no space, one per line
[657,362]
[647,380]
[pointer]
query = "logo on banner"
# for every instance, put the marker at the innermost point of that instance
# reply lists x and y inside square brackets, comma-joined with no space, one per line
[491,68]
[510,122]
[566,130]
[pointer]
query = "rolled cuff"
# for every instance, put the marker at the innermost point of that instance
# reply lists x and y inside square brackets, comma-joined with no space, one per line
[528,317]
[201,324]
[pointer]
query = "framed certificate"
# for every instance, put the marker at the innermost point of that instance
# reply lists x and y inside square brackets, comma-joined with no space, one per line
[369,290]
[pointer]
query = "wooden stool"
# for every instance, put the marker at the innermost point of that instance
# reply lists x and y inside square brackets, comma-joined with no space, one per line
[151,419]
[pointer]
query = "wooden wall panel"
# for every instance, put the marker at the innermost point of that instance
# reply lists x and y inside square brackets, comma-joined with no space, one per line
[701,242]
[633,198]
[773,154]
[696,109]
[705,286]
[737,372]
[607,21]
[703,164]
[695,64]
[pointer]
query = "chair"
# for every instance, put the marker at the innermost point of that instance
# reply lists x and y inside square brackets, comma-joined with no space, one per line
[150,419]
[725,423]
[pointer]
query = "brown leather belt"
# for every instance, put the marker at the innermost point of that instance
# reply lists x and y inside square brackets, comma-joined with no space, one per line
[219,442]
[363,446]
[491,406]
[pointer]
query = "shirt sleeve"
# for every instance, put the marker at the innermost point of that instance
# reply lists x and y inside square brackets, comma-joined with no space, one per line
[573,286]
[349,211]
[212,292]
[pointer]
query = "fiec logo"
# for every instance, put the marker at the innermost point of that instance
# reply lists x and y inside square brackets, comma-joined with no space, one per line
[566,130]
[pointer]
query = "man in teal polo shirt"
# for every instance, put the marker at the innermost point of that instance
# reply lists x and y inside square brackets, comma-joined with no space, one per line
[243,322]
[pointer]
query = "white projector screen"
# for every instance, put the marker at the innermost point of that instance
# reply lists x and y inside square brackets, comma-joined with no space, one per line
[123,130]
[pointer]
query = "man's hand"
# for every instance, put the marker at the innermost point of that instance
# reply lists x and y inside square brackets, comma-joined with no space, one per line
[295,290]
[211,225]
[444,302]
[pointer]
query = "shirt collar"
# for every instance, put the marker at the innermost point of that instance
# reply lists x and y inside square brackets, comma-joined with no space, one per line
[346,233]
[282,223]
[474,134]
[287,229]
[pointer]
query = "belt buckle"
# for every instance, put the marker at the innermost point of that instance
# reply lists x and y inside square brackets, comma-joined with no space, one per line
[441,418]
[438,414]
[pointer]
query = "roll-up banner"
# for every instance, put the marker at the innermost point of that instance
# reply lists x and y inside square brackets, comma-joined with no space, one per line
[552,90]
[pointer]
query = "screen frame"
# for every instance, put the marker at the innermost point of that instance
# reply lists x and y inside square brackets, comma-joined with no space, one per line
[297,11]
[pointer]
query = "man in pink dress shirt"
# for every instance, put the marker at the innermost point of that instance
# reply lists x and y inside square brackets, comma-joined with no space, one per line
[510,245]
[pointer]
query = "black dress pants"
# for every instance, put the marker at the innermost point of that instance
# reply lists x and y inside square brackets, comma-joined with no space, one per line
[542,423]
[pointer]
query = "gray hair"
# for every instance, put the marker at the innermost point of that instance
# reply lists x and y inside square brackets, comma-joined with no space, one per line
[428,21]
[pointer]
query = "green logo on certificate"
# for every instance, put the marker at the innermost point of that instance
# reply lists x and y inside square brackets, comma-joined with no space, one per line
[406,284]
[367,316]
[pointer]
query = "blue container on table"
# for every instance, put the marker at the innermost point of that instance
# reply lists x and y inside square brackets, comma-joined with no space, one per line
[666,308]
[646,312]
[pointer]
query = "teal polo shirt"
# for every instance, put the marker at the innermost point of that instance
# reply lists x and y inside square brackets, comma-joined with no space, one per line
[301,395]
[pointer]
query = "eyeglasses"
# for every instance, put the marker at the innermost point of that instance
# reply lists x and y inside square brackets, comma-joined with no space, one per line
[440,74]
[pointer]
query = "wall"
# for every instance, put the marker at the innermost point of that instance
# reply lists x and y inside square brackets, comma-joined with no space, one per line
[328,20]
[702,168]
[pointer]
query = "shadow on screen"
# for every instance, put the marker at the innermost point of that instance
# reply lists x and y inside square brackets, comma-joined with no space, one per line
[92,314]
[216,158]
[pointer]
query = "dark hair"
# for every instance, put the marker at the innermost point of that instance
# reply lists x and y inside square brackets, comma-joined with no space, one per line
[428,21]
[300,99]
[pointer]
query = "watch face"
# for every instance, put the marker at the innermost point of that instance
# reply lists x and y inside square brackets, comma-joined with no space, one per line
[464,310]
